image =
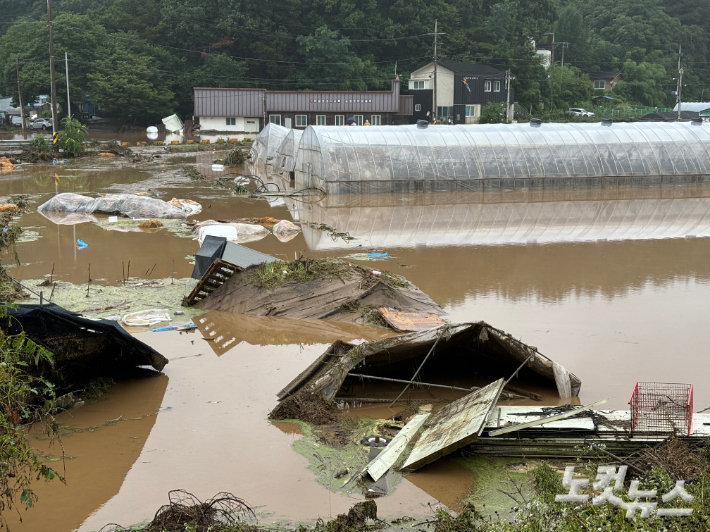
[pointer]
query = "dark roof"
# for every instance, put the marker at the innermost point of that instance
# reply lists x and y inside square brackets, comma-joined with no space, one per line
[471,68]
[610,74]
[668,116]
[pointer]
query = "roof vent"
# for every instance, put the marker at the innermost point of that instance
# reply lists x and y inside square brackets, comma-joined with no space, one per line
[696,121]
[535,122]
[607,122]
[422,124]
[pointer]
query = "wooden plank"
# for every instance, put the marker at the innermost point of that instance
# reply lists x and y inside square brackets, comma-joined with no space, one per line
[218,272]
[454,426]
[410,321]
[544,420]
[387,458]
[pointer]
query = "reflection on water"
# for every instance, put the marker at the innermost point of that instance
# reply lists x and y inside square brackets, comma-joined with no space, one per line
[213,434]
[102,442]
[530,217]
[226,330]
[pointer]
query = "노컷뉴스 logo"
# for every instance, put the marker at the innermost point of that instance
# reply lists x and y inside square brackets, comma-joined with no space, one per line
[643,500]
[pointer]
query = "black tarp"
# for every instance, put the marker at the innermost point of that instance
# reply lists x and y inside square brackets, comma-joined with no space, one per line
[211,250]
[82,348]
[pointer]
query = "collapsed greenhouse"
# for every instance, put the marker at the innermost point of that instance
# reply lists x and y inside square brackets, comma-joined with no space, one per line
[285,159]
[263,149]
[500,156]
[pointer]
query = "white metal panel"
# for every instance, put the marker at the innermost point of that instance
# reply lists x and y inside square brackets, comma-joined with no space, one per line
[454,426]
[386,459]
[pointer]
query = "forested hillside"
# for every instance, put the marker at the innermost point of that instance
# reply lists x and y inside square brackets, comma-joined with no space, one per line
[140,59]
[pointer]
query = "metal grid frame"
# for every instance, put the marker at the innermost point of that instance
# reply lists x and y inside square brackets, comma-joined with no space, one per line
[661,408]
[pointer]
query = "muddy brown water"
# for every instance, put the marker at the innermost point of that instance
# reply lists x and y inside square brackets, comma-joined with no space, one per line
[630,304]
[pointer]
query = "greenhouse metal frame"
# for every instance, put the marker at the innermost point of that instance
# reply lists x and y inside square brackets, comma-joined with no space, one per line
[285,159]
[263,149]
[439,158]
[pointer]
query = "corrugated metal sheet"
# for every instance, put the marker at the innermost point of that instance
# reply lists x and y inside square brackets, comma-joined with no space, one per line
[335,101]
[244,257]
[454,426]
[406,105]
[229,102]
[250,102]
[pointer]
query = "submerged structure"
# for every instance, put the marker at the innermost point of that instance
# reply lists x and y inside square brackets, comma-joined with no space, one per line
[264,147]
[286,154]
[500,156]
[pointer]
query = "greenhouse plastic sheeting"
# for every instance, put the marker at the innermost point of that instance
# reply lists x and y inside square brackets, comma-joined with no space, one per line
[403,158]
[129,204]
[264,147]
[285,159]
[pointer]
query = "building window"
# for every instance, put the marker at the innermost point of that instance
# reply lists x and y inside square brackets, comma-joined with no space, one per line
[444,112]
[231,121]
[320,120]
[339,120]
[376,120]
[599,84]
[358,120]
[418,107]
[496,86]
[275,119]
[488,86]
[418,84]
[470,111]
[301,120]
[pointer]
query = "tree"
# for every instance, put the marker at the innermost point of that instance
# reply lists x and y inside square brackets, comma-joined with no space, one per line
[220,70]
[330,63]
[493,113]
[643,83]
[571,89]
[72,137]
[130,87]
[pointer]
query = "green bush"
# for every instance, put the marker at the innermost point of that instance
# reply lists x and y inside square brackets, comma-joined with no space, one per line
[27,400]
[72,137]
[40,143]
[493,113]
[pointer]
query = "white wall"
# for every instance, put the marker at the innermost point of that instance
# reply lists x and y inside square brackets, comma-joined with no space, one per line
[444,87]
[444,83]
[219,123]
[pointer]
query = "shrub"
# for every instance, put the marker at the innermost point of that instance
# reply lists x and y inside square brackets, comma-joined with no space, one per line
[72,137]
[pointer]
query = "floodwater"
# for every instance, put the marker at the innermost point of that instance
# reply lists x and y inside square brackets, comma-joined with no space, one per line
[615,286]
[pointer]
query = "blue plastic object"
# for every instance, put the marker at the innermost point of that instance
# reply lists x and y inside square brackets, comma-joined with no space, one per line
[168,328]
[377,254]
[81,243]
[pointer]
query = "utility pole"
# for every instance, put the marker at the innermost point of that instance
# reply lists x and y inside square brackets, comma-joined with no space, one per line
[552,78]
[19,97]
[508,80]
[51,69]
[679,90]
[564,45]
[436,60]
[66,66]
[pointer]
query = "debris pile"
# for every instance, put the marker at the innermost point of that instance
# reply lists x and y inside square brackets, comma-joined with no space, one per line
[83,348]
[318,288]
[129,205]
[187,512]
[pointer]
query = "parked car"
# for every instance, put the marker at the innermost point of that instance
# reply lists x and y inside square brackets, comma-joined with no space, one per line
[41,123]
[16,120]
[580,112]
